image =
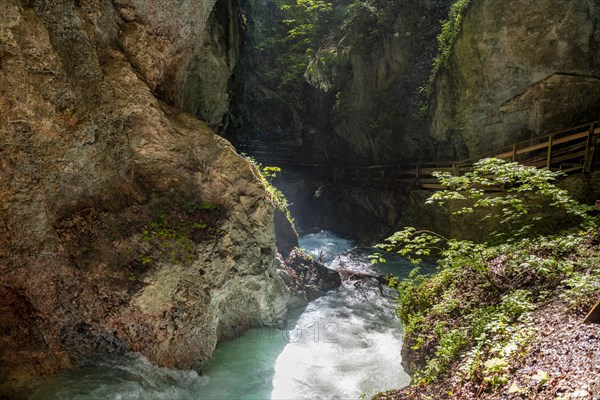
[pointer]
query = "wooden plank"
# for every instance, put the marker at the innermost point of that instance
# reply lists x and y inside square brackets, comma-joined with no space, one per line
[388,174]
[504,155]
[593,317]
[570,138]
[571,156]
[540,146]
[556,142]
[535,147]
[590,150]
[508,150]
[572,169]
[556,133]
[541,161]
[549,155]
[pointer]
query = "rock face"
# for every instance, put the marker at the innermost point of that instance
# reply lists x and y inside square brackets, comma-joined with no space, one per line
[377,107]
[306,279]
[368,114]
[518,71]
[285,233]
[186,51]
[124,223]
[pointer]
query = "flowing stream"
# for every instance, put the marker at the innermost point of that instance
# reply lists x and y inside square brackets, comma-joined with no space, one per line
[343,345]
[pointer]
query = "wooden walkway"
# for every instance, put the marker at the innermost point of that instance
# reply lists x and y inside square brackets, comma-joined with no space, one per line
[569,150]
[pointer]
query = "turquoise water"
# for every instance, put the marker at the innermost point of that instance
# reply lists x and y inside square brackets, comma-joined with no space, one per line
[343,345]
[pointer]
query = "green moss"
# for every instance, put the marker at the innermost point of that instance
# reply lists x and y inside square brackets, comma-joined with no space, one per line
[475,315]
[446,39]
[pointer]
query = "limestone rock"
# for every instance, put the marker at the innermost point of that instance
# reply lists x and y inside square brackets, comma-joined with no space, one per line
[185,51]
[517,71]
[121,225]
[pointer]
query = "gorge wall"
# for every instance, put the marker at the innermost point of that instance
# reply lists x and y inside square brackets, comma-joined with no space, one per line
[125,223]
[363,97]
[516,71]
[513,72]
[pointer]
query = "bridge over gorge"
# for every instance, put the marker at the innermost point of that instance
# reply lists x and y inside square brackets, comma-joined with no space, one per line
[569,150]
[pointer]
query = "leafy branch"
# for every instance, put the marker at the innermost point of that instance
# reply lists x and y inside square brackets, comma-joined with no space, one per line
[526,190]
[412,244]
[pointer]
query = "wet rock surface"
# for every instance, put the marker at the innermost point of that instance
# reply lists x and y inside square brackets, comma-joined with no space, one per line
[305,278]
[121,220]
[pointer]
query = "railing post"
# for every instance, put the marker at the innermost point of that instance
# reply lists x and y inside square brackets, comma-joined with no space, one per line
[590,149]
[455,170]
[549,160]
[514,153]
[417,183]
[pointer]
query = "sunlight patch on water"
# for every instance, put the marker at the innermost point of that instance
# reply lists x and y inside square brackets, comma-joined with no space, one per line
[324,245]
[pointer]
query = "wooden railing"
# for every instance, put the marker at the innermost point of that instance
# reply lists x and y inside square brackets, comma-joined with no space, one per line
[568,150]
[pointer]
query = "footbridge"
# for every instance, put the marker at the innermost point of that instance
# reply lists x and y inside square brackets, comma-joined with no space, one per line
[569,150]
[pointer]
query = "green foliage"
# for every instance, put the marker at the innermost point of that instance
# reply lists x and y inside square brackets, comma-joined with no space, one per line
[323,70]
[174,229]
[351,14]
[411,244]
[267,175]
[494,372]
[173,243]
[495,327]
[475,315]
[303,46]
[270,173]
[307,21]
[581,289]
[446,39]
[450,344]
[526,190]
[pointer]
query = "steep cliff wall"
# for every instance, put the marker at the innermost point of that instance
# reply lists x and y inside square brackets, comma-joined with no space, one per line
[186,51]
[392,46]
[517,71]
[124,223]
[363,97]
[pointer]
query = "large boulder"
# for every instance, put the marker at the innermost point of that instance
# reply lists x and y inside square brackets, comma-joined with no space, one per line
[124,222]
[306,279]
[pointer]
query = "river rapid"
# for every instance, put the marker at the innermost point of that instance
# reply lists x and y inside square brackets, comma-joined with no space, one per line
[343,345]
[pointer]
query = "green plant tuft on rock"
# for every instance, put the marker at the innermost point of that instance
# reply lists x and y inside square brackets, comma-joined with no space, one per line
[446,39]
